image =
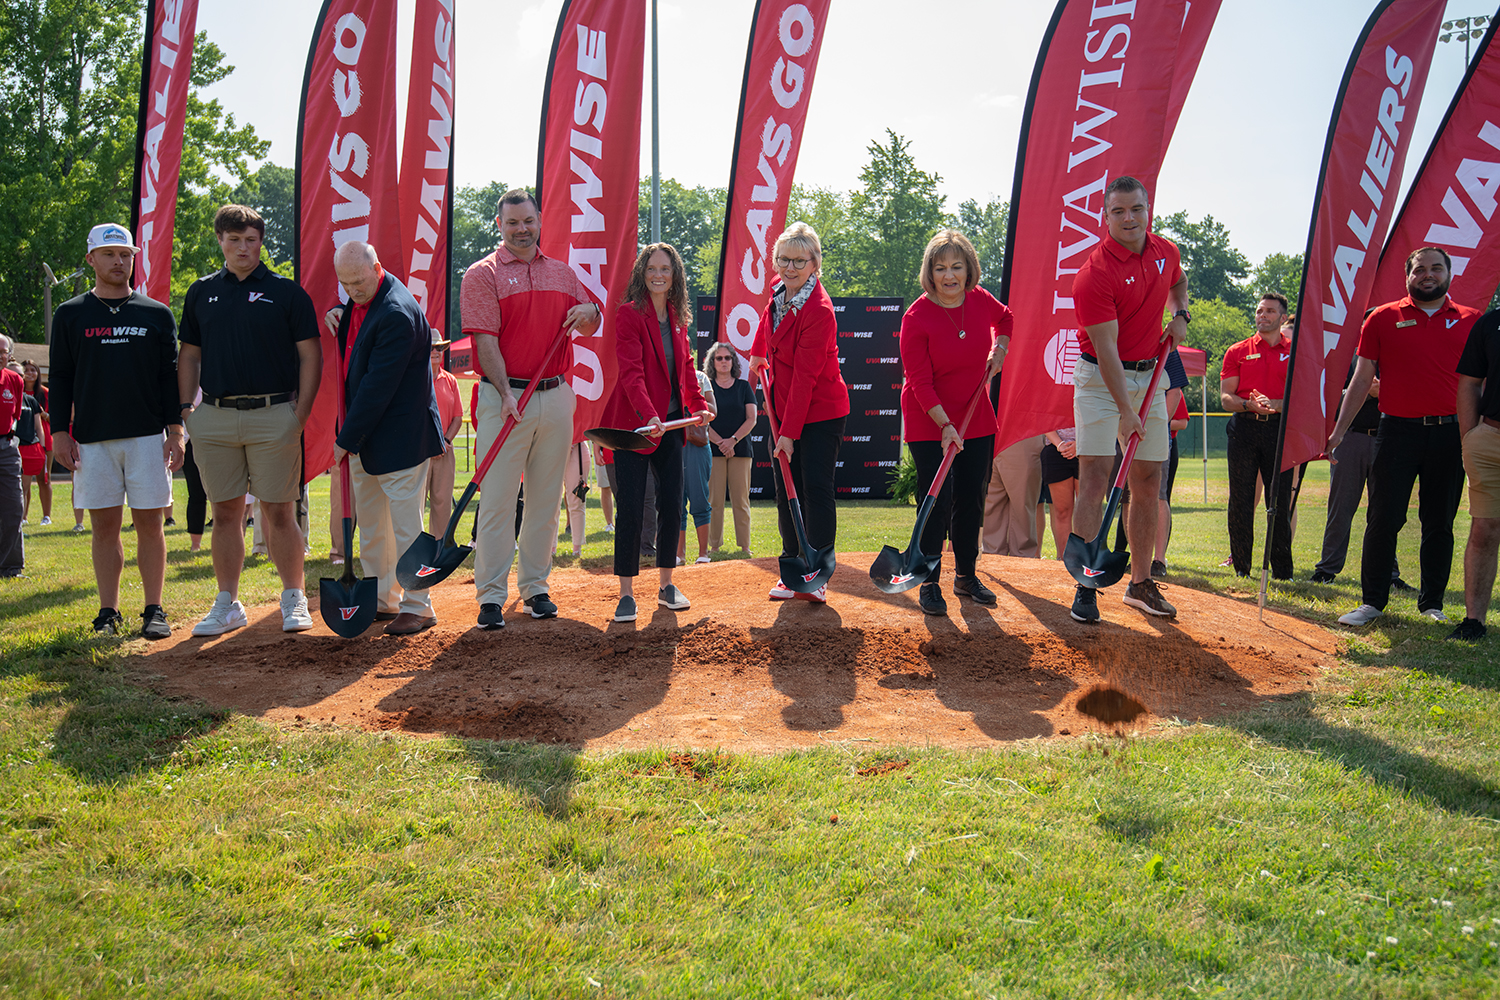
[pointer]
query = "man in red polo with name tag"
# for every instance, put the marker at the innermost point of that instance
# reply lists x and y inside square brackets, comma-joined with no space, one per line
[1251,383]
[1119,296]
[1417,342]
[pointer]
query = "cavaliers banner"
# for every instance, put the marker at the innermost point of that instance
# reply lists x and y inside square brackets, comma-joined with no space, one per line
[1363,160]
[166,65]
[785,39]
[427,161]
[346,174]
[1451,203]
[588,172]
[1099,107]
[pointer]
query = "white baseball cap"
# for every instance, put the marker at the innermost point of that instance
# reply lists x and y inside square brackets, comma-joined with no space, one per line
[110,234]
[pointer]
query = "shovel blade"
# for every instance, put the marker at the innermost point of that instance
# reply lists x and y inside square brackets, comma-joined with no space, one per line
[1092,564]
[426,562]
[348,608]
[619,439]
[804,577]
[897,572]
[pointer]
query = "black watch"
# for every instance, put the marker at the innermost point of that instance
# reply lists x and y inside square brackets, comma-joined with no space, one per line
[1187,316]
[185,406]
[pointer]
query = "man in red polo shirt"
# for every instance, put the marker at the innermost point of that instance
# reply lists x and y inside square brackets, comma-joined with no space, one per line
[515,303]
[1119,296]
[1417,342]
[1251,383]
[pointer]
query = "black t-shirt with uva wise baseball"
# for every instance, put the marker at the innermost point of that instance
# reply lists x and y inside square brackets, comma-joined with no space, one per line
[113,371]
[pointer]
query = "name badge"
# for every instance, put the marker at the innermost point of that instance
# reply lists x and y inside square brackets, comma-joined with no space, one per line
[1406,323]
[1251,357]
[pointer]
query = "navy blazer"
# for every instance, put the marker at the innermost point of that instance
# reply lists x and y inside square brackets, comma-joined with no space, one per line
[392,421]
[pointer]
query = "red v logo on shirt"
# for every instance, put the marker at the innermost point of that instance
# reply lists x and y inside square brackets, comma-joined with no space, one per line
[1160,266]
[1451,323]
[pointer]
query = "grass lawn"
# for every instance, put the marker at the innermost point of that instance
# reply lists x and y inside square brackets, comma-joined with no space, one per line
[1342,843]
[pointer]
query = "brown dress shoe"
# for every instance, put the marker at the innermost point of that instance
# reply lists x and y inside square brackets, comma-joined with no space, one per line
[409,624]
[385,616]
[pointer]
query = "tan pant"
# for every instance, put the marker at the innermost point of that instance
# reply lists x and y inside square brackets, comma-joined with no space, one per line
[440,475]
[390,519]
[733,473]
[538,448]
[1010,504]
[576,471]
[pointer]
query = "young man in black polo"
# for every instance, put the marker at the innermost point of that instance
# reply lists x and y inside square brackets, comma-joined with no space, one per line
[114,410]
[250,341]
[1479,430]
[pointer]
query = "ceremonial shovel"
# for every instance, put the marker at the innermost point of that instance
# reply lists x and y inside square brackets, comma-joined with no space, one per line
[1092,563]
[348,606]
[814,568]
[619,439]
[895,572]
[428,561]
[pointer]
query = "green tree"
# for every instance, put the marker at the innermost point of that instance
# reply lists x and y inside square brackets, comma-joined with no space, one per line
[1279,272]
[1215,270]
[827,211]
[692,220]
[272,191]
[985,226]
[892,216]
[1215,328]
[475,237]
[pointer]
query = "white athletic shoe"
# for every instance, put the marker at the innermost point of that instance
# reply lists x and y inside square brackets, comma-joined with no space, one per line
[226,615]
[294,616]
[1436,614]
[46,520]
[780,592]
[1362,615]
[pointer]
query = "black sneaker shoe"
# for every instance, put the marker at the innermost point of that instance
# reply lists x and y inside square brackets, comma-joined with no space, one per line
[1401,585]
[154,623]
[625,610]
[1158,569]
[491,618]
[541,607]
[1322,576]
[974,590]
[670,597]
[1468,630]
[1147,598]
[169,522]
[930,597]
[1085,605]
[108,622]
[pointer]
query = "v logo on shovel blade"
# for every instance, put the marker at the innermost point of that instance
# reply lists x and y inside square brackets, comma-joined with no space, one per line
[349,613]
[426,570]
[1089,571]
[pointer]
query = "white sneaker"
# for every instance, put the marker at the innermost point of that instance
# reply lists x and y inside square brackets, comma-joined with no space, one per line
[1436,614]
[1362,615]
[46,521]
[294,616]
[780,592]
[226,615]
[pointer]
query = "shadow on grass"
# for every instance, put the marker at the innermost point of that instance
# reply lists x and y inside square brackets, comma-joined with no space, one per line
[1291,723]
[545,774]
[26,604]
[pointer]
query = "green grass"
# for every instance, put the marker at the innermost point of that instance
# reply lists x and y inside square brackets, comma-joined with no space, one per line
[1335,844]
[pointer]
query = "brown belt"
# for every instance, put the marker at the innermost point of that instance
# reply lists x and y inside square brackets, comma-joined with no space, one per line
[1491,421]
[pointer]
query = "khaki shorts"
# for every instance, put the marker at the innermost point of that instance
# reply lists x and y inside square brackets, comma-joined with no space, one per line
[248,451]
[1482,463]
[1097,418]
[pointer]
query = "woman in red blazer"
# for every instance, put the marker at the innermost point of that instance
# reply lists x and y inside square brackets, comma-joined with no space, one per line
[798,340]
[657,382]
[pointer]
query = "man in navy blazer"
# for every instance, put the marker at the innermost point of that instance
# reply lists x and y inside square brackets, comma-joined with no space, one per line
[391,426]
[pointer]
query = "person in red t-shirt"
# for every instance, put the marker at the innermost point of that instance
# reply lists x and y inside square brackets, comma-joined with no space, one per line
[1119,296]
[1251,383]
[1417,342]
[442,470]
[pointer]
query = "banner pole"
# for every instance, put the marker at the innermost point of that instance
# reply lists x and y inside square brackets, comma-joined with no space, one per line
[655,137]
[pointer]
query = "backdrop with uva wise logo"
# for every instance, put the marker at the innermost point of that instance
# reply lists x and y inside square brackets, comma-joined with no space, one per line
[870,359]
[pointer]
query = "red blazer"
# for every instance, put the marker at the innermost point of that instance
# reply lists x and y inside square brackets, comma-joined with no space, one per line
[642,388]
[804,357]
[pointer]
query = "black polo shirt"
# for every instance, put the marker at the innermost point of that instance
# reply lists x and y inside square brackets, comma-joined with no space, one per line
[1481,359]
[248,331]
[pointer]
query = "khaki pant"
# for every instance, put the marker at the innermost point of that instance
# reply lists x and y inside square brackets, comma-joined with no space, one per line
[538,447]
[733,473]
[390,519]
[576,471]
[1010,503]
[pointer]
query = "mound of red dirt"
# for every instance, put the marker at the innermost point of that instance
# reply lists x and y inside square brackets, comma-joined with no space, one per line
[743,673]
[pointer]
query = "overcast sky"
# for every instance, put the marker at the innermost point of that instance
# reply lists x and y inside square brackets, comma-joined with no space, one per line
[951,78]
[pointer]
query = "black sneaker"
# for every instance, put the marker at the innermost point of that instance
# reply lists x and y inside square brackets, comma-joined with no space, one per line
[1322,576]
[1401,585]
[1158,569]
[154,623]
[625,610]
[974,590]
[1468,630]
[169,522]
[108,622]
[1147,598]
[930,597]
[1085,605]
[491,618]
[541,607]
[671,598]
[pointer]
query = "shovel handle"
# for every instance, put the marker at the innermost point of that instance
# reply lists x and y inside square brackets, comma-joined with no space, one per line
[670,425]
[510,421]
[952,451]
[1135,438]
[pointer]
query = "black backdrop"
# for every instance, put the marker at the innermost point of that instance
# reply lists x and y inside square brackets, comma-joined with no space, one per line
[870,359]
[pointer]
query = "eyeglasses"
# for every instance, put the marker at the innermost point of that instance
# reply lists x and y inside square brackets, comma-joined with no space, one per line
[723,357]
[795,263]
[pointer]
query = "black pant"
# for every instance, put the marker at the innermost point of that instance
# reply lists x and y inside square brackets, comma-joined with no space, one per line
[1252,449]
[960,500]
[197,502]
[631,469]
[814,462]
[1406,451]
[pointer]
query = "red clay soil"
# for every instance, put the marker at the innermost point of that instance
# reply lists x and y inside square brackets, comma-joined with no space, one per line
[743,673]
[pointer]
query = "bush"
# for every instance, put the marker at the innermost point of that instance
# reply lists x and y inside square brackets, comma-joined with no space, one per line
[904,480]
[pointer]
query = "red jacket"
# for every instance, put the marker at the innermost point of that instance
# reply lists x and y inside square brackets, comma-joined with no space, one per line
[642,388]
[804,357]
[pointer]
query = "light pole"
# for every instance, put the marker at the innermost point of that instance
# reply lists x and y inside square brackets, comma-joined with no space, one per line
[48,281]
[1465,28]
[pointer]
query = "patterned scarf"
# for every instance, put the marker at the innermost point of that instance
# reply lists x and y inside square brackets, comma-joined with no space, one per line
[780,306]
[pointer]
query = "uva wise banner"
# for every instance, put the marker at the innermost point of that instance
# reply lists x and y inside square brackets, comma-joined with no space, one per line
[346,174]
[588,172]
[426,188]
[1451,203]
[1368,138]
[785,39]
[166,65]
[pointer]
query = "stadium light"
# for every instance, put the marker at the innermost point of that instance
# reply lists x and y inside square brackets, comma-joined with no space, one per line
[1466,28]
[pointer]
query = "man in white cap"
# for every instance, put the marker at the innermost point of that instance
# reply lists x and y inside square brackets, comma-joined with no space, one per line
[116,421]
